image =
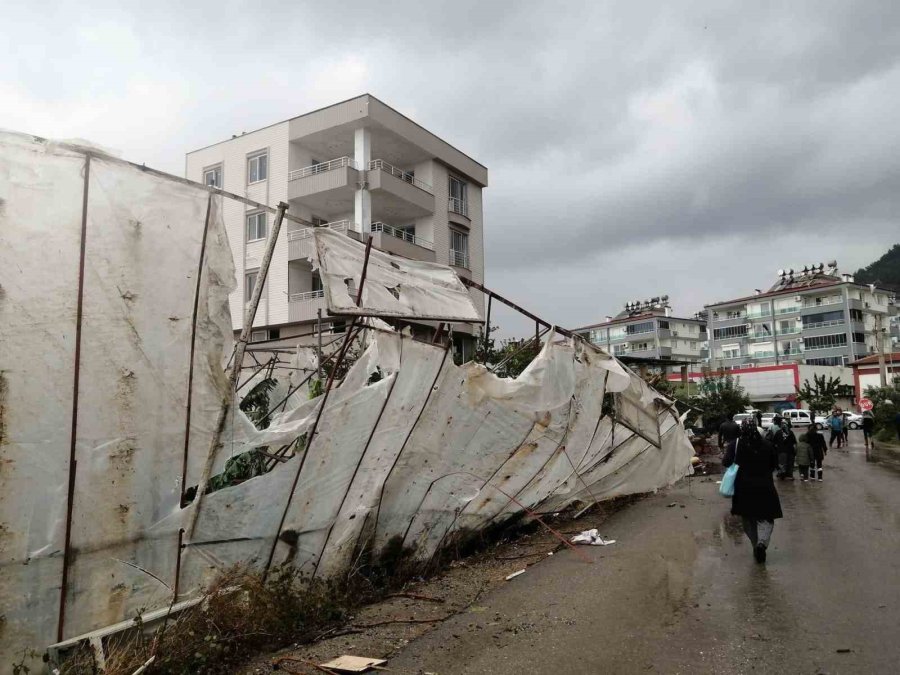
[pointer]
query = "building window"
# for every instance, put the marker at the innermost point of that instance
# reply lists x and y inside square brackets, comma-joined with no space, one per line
[257,167]
[730,332]
[265,334]
[316,282]
[249,283]
[618,350]
[637,328]
[733,314]
[256,226]
[459,196]
[459,249]
[859,337]
[663,324]
[827,361]
[212,177]
[825,341]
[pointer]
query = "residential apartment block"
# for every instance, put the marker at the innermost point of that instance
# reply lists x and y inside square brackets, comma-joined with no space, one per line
[815,316]
[358,167]
[647,329]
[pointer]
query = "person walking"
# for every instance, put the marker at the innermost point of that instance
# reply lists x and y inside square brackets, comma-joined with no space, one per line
[755,498]
[818,447]
[789,448]
[776,436]
[836,424]
[868,427]
[804,456]
[729,431]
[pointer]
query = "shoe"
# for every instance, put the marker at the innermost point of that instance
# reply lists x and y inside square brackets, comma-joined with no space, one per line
[820,480]
[759,553]
[802,480]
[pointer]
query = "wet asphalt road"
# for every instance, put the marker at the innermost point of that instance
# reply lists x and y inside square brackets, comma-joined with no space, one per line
[680,593]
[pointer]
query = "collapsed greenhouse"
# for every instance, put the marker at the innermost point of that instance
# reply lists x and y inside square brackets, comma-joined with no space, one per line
[120,384]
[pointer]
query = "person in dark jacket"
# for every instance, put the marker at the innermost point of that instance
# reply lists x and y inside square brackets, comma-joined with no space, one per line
[729,431]
[868,427]
[755,499]
[819,448]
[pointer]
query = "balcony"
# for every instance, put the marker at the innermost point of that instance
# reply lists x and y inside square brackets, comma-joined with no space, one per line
[788,310]
[459,258]
[300,242]
[763,355]
[327,187]
[398,194]
[394,240]
[305,306]
[758,315]
[459,206]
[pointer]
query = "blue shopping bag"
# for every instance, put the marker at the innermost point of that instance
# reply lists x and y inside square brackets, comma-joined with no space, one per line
[726,489]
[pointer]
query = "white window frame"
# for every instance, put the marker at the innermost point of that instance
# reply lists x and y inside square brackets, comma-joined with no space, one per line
[455,252]
[255,157]
[214,168]
[248,287]
[256,216]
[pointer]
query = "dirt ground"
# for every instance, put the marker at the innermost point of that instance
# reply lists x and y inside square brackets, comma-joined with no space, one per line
[427,603]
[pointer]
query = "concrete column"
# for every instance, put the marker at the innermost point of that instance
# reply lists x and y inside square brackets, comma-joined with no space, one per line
[362,155]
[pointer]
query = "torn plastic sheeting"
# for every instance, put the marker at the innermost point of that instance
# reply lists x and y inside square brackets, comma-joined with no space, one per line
[395,287]
[422,452]
[591,538]
[144,237]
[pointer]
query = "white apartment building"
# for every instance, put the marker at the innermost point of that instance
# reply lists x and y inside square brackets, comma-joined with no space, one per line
[646,329]
[361,168]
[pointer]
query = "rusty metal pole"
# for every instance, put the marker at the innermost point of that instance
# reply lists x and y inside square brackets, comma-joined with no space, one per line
[315,425]
[70,499]
[239,349]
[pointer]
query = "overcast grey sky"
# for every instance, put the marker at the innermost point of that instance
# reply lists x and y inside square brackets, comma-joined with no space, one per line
[635,149]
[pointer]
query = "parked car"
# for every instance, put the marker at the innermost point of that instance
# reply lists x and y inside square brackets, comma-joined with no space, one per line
[767,420]
[798,418]
[851,421]
[740,417]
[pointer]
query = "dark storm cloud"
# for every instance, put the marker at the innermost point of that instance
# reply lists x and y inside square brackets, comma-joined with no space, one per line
[610,129]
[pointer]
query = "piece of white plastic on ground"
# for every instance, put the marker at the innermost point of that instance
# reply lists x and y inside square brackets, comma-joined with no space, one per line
[515,574]
[591,538]
[352,664]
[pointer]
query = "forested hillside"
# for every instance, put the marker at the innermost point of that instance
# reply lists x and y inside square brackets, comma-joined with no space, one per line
[885,271]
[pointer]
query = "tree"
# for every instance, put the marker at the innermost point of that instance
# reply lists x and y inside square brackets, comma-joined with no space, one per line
[720,397]
[822,394]
[510,358]
[885,405]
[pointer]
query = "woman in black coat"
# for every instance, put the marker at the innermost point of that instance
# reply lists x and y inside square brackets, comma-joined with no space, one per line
[755,499]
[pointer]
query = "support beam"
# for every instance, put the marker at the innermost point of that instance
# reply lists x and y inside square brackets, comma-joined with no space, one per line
[238,359]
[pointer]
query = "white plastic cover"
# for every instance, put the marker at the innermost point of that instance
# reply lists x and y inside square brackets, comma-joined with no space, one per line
[394,287]
[410,450]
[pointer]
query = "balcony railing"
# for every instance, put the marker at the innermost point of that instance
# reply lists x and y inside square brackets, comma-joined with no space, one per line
[338,226]
[402,234]
[306,296]
[322,167]
[459,258]
[460,206]
[812,303]
[788,310]
[823,324]
[758,315]
[763,355]
[381,165]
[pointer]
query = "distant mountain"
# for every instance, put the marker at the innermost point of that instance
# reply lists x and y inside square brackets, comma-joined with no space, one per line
[885,271]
